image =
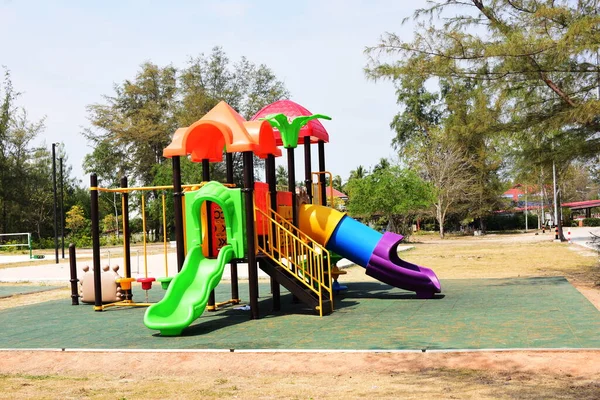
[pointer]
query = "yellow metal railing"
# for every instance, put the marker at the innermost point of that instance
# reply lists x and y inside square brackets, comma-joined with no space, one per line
[297,253]
[316,189]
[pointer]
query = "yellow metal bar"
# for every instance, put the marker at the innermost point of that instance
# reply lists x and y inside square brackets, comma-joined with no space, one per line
[148,188]
[224,303]
[331,197]
[164,210]
[125,303]
[144,235]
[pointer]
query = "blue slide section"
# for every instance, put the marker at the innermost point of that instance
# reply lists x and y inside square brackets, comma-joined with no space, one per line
[378,253]
[354,241]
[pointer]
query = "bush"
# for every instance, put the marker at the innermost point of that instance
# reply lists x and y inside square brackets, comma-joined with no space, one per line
[80,240]
[591,222]
[430,227]
[506,222]
[43,243]
[111,240]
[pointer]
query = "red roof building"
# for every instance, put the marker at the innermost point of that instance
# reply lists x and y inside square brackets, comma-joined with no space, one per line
[336,193]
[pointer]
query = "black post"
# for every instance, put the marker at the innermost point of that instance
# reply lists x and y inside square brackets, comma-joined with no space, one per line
[292,183]
[272,280]
[209,229]
[292,188]
[62,213]
[126,236]
[55,201]
[235,292]
[95,243]
[229,167]
[249,206]
[178,212]
[272,182]
[74,280]
[307,168]
[322,181]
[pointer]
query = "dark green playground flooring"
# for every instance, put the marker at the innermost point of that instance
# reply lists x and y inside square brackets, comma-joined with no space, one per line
[8,291]
[471,314]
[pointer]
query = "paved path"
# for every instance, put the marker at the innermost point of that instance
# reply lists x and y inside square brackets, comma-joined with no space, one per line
[582,236]
[155,266]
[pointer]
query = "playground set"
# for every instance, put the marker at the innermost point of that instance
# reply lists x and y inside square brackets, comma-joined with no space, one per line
[295,238]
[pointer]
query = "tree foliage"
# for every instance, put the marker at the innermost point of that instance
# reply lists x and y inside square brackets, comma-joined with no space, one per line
[390,197]
[539,58]
[26,199]
[75,220]
[281,176]
[132,127]
[518,76]
[448,170]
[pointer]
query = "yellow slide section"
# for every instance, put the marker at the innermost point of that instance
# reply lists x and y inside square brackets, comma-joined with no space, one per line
[318,222]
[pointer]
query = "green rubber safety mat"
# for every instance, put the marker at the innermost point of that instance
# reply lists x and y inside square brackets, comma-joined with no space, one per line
[470,314]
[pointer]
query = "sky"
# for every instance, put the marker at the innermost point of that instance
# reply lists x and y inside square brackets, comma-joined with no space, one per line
[65,55]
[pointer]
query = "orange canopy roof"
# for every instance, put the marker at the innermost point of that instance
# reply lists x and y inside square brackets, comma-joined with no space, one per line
[222,127]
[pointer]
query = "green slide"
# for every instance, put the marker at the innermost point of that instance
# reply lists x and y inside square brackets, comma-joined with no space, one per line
[188,293]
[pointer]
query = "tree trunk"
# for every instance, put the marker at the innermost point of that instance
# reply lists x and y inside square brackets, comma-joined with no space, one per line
[440,219]
[561,235]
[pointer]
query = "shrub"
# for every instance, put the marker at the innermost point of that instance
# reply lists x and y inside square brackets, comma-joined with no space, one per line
[80,240]
[591,222]
[504,222]
[43,243]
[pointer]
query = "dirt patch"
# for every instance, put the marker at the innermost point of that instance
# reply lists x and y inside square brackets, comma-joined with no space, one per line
[34,298]
[481,375]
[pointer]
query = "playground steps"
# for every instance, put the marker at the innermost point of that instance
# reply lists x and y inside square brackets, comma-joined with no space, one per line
[291,283]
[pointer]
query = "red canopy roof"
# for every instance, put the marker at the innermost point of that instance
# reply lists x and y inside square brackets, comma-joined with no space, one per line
[579,205]
[314,128]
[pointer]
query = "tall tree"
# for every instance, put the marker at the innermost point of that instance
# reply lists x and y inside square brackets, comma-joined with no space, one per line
[20,164]
[132,127]
[535,53]
[447,168]
[281,176]
[245,86]
[390,197]
[131,130]
[540,58]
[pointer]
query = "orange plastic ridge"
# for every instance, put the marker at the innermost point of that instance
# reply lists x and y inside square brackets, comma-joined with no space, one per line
[222,128]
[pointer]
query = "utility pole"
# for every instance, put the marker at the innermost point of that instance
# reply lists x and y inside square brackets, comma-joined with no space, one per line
[526,222]
[62,212]
[542,197]
[55,200]
[555,222]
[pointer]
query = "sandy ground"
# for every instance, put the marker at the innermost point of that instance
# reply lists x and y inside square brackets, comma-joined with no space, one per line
[482,375]
[303,375]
